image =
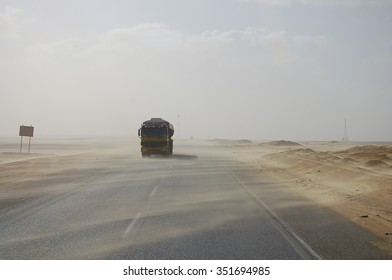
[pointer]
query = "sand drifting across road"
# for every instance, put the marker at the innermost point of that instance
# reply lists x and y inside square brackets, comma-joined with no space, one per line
[55,160]
[353,178]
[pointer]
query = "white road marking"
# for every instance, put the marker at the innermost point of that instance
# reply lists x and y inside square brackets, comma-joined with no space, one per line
[157,185]
[131,225]
[304,249]
[154,190]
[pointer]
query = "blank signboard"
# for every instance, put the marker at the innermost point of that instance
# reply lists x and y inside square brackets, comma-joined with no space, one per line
[26,131]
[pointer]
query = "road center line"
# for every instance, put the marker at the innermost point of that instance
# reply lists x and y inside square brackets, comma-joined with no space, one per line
[157,185]
[131,224]
[154,190]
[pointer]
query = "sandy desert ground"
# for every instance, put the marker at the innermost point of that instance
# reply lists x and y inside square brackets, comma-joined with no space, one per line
[352,178]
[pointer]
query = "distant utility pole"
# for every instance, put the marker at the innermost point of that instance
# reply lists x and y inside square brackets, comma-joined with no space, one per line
[345,136]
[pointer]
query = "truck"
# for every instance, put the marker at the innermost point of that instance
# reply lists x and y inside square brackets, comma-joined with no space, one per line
[156,137]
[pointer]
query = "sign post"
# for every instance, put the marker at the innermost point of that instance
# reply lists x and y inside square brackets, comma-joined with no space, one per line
[25,131]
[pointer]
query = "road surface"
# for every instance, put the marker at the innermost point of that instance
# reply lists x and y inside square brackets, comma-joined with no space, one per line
[197,204]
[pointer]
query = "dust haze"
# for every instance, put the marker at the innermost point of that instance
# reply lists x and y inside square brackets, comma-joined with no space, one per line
[244,70]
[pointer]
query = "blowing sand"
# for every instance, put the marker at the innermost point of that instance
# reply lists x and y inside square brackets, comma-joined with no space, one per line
[353,178]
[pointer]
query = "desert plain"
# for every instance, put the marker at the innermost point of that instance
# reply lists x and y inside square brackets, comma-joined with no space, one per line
[352,178]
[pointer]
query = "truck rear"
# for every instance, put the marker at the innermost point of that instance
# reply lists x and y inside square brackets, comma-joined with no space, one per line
[156,137]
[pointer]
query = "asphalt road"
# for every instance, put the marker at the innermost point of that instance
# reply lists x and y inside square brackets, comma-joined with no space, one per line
[189,206]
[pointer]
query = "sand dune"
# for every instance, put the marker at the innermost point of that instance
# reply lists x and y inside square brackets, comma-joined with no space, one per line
[369,155]
[281,143]
[355,179]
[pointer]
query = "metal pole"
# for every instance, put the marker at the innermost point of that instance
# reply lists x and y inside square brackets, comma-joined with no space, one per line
[29,143]
[21,140]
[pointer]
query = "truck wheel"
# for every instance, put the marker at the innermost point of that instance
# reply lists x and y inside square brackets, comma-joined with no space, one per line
[144,155]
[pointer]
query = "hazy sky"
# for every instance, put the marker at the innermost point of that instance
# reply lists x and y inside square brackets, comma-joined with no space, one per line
[243,69]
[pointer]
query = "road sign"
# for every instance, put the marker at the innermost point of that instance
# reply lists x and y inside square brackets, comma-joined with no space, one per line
[25,131]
